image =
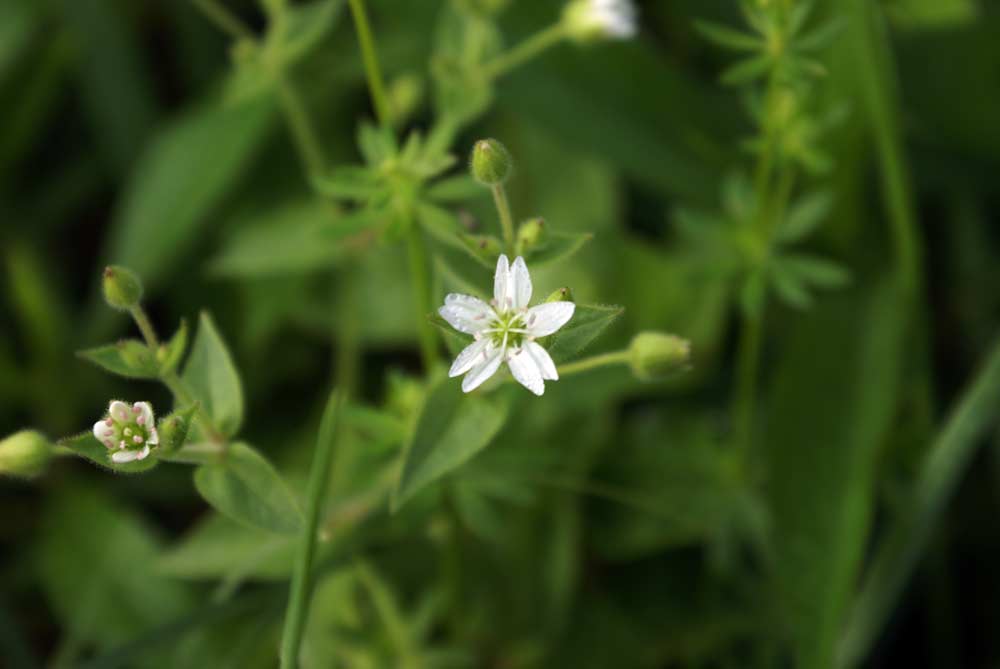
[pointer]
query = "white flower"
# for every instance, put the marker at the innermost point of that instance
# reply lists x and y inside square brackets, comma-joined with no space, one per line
[595,19]
[128,432]
[505,330]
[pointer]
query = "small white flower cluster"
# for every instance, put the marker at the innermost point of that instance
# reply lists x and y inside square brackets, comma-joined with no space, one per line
[608,19]
[128,432]
[505,330]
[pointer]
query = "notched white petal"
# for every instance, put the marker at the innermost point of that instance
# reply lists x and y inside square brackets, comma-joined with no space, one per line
[543,360]
[501,284]
[520,281]
[466,313]
[545,319]
[154,437]
[472,354]
[121,457]
[119,411]
[483,370]
[143,413]
[526,371]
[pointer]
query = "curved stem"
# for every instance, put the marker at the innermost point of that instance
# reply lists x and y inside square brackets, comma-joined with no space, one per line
[370,58]
[224,19]
[421,282]
[301,586]
[303,132]
[525,51]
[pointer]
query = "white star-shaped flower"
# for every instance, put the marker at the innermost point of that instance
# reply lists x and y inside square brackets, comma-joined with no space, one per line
[128,431]
[505,330]
[609,19]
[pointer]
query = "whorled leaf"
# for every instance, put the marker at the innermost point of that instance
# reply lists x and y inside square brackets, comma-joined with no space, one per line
[212,379]
[130,358]
[587,323]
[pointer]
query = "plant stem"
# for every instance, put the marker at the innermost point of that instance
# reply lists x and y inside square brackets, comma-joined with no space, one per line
[224,19]
[506,219]
[303,132]
[593,362]
[145,327]
[369,56]
[301,587]
[525,51]
[747,366]
[896,557]
[421,282]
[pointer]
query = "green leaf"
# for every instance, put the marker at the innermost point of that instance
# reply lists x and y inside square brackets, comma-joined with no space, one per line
[452,427]
[587,323]
[87,447]
[245,487]
[212,378]
[456,189]
[816,271]
[789,287]
[218,547]
[298,237]
[358,184]
[804,217]
[729,38]
[94,561]
[376,144]
[129,358]
[557,246]
[747,71]
[171,353]
[454,340]
[181,177]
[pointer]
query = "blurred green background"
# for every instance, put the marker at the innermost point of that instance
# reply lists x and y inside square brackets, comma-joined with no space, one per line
[609,524]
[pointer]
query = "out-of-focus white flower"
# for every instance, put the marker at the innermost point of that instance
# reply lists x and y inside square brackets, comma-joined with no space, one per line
[129,432]
[588,20]
[505,330]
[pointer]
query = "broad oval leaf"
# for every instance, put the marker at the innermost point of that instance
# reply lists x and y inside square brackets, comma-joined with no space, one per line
[129,358]
[452,427]
[588,322]
[212,378]
[244,486]
[87,447]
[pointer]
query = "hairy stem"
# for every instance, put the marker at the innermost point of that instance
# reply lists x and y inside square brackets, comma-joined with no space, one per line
[525,51]
[369,56]
[301,587]
[594,362]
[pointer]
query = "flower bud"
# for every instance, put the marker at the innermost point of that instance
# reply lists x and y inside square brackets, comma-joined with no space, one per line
[25,453]
[654,355]
[530,234]
[405,94]
[490,163]
[173,429]
[561,295]
[122,287]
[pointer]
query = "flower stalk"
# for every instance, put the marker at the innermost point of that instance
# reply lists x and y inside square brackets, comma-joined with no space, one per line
[369,56]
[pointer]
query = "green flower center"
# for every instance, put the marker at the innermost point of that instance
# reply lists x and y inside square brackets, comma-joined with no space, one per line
[132,434]
[509,326]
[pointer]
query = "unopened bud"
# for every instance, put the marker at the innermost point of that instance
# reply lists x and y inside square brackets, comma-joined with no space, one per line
[594,20]
[25,454]
[654,355]
[122,287]
[405,94]
[490,163]
[530,234]
[561,295]
[174,428]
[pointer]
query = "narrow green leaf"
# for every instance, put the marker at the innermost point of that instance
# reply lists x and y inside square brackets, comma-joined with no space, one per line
[746,71]
[557,246]
[129,358]
[452,427]
[728,38]
[455,341]
[807,214]
[87,447]
[456,189]
[212,378]
[245,487]
[789,287]
[171,353]
[358,184]
[816,271]
[587,323]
